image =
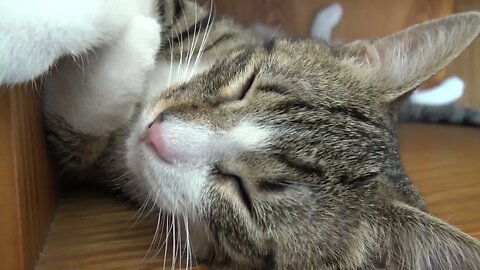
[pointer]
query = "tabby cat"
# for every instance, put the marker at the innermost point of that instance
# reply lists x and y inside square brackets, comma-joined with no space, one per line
[274,154]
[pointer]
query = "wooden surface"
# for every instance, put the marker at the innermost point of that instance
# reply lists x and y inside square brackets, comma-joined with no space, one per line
[94,231]
[467,65]
[27,193]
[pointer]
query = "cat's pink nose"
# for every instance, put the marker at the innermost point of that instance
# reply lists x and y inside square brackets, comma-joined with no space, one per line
[154,138]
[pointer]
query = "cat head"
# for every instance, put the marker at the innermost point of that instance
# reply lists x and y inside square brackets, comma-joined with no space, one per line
[286,152]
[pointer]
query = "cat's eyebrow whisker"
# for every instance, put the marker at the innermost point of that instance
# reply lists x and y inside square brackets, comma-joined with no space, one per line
[206,33]
[193,41]
[188,32]
[181,47]
[171,62]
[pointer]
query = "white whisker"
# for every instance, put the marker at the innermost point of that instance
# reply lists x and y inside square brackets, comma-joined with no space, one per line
[139,212]
[194,41]
[179,241]
[174,242]
[187,244]
[181,49]
[154,236]
[171,63]
[206,33]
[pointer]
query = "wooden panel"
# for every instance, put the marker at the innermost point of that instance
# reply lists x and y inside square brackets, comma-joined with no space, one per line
[362,18]
[28,193]
[467,65]
[95,231]
[10,244]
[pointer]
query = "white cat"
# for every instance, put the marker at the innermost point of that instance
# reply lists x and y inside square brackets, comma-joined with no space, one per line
[35,34]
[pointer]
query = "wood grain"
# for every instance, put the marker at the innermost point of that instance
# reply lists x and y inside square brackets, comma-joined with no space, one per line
[95,231]
[444,164]
[467,65]
[28,193]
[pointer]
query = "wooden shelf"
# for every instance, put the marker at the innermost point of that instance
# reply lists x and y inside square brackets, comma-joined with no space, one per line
[94,231]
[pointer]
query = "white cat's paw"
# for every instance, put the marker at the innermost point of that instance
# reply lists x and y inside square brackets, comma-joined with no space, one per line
[143,37]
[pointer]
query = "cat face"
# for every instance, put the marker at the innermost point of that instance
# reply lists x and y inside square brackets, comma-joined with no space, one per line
[255,145]
[286,152]
[264,141]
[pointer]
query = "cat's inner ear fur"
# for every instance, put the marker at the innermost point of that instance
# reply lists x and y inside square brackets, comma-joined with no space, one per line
[403,60]
[417,240]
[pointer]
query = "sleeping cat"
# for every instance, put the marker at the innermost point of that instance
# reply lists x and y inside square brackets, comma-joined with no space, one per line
[277,154]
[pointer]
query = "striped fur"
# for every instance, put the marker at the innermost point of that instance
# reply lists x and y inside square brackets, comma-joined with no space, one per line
[278,154]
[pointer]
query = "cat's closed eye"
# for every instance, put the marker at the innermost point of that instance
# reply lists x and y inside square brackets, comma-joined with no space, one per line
[246,87]
[222,175]
[274,185]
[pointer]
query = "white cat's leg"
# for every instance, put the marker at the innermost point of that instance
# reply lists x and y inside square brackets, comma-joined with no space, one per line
[34,34]
[99,94]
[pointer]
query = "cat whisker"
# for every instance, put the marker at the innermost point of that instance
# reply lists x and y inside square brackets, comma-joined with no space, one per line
[194,41]
[151,208]
[166,243]
[171,62]
[154,237]
[206,33]
[161,241]
[190,256]
[139,212]
[174,242]
[180,37]
[119,180]
[180,253]
[188,33]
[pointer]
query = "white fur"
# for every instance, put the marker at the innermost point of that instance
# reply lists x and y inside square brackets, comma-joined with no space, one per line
[179,183]
[448,91]
[34,34]
[99,94]
[168,73]
[247,136]
[325,20]
[192,150]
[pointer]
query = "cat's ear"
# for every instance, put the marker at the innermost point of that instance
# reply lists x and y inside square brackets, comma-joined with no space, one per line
[417,240]
[403,60]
